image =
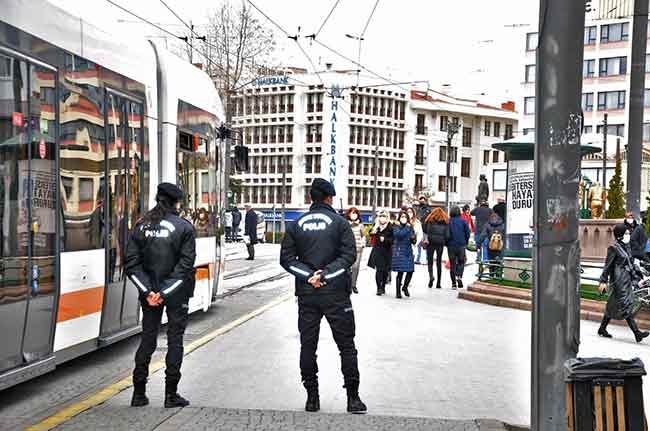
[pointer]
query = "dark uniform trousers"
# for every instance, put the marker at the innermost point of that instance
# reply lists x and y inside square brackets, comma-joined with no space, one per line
[337,309]
[177,317]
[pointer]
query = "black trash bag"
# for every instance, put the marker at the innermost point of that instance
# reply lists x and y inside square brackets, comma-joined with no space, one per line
[587,369]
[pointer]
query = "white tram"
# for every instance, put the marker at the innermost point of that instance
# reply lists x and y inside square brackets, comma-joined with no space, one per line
[89,125]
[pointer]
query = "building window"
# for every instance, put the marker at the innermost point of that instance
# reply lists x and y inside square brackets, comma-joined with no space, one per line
[587,129]
[419,183]
[509,132]
[530,73]
[611,100]
[495,157]
[613,129]
[613,66]
[486,157]
[441,184]
[421,129]
[590,35]
[497,129]
[529,105]
[646,132]
[465,164]
[419,154]
[588,68]
[588,102]
[467,136]
[614,32]
[443,122]
[531,41]
[443,154]
[487,127]
[529,131]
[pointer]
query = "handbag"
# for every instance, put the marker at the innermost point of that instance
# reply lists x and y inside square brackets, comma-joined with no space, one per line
[424,243]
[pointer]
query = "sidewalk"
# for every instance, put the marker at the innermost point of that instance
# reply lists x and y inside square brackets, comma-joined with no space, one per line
[421,359]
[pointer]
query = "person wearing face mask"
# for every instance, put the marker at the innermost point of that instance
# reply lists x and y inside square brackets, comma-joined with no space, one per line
[416,224]
[618,277]
[380,260]
[403,262]
[638,237]
[458,238]
[354,217]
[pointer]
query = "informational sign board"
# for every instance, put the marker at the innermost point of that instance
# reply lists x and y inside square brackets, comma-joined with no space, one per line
[520,200]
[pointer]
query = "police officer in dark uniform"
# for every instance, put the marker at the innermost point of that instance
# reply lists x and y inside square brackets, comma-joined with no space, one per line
[160,263]
[319,249]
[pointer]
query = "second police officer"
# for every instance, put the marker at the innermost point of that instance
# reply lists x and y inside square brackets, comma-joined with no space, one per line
[319,249]
[160,262]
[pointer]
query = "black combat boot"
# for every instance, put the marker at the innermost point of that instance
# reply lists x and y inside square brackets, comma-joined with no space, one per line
[355,405]
[313,400]
[639,335]
[139,395]
[398,289]
[405,289]
[431,280]
[354,289]
[172,397]
[602,331]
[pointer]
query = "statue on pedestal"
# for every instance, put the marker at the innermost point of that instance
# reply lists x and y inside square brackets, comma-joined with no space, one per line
[596,200]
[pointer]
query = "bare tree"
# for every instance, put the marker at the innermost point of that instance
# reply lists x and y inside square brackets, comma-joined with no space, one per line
[237,50]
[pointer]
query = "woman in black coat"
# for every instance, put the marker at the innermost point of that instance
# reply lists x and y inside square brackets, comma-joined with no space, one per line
[381,235]
[436,231]
[622,275]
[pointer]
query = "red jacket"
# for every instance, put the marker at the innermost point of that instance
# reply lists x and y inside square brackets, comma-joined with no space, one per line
[468,219]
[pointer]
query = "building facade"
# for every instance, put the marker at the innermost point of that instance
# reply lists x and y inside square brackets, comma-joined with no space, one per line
[606,90]
[351,129]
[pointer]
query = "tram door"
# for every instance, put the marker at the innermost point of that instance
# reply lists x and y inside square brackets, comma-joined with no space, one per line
[120,315]
[28,217]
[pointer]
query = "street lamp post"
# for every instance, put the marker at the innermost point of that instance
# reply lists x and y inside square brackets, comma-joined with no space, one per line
[452,129]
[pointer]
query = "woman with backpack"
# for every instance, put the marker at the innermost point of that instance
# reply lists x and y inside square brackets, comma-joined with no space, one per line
[403,260]
[493,234]
[354,218]
[436,229]
[381,238]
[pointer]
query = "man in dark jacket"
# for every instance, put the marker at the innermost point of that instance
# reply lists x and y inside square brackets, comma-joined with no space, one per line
[500,208]
[481,216]
[638,237]
[160,263]
[494,235]
[423,209]
[236,220]
[458,237]
[250,230]
[319,249]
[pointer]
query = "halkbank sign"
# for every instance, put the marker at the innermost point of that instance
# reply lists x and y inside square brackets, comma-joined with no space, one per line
[272,80]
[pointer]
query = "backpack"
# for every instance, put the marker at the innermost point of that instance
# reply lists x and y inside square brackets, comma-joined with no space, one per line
[496,241]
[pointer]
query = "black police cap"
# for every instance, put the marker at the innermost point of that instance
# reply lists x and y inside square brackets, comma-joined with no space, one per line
[171,191]
[323,187]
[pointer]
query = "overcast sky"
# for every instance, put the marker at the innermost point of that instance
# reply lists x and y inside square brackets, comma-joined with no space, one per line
[471,44]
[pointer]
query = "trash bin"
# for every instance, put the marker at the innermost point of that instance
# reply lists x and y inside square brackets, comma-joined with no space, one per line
[605,394]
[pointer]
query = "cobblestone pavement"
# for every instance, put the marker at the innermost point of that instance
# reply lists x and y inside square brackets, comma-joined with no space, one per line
[203,418]
[27,403]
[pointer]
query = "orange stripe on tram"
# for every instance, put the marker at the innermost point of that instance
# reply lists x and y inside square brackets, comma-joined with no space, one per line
[202,274]
[80,303]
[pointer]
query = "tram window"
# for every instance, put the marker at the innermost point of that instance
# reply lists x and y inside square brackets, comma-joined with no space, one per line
[81,154]
[5,67]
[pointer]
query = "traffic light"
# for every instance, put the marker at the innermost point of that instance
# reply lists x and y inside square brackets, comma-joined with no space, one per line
[588,6]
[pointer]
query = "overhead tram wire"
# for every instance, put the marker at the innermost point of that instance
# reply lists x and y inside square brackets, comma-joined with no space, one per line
[177,16]
[369,19]
[327,18]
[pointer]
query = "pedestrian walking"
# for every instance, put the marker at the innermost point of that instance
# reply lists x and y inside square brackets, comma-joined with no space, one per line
[236,221]
[381,255]
[481,215]
[494,234]
[354,217]
[436,229]
[458,238]
[319,249]
[403,262]
[250,231]
[638,238]
[416,224]
[619,277]
[423,208]
[160,263]
[501,208]
[227,221]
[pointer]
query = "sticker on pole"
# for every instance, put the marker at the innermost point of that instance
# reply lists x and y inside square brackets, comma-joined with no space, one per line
[17,119]
[42,149]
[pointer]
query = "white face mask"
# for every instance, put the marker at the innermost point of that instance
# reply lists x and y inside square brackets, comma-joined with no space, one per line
[626,238]
[353,217]
[629,220]
[402,220]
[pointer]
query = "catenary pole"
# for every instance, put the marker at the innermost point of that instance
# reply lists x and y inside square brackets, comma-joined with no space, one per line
[452,129]
[635,119]
[604,176]
[556,253]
